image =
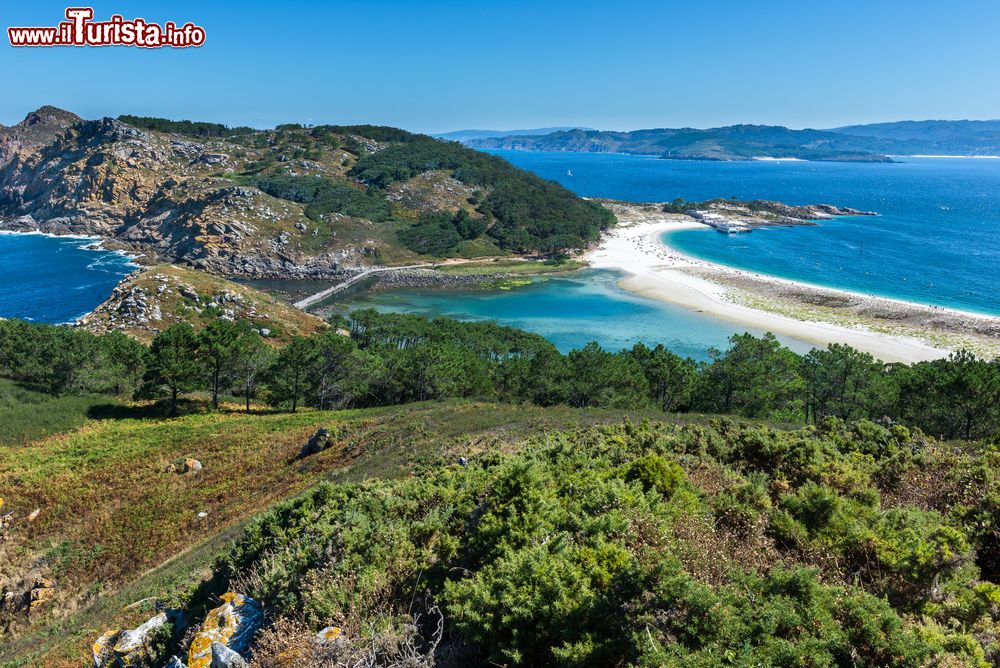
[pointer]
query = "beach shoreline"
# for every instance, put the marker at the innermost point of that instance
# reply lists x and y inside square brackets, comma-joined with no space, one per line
[890,329]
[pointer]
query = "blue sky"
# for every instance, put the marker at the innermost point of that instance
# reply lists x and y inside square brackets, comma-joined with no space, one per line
[436,65]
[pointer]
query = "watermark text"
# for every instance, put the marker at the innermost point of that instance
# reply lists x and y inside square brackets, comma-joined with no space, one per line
[80,29]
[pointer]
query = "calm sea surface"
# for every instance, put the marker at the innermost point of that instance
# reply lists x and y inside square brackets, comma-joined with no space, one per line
[937,241]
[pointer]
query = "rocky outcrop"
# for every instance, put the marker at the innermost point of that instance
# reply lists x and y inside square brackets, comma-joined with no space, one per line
[150,300]
[739,216]
[160,195]
[227,630]
[41,593]
[131,648]
[38,129]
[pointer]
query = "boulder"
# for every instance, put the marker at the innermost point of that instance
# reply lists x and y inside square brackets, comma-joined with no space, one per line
[175,663]
[223,657]
[191,465]
[131,648]
[329,634]
[231,625]
[104,648]
[42,592]
[318,442]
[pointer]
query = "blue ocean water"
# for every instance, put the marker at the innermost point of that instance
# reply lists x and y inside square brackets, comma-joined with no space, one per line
[571,311]
[937,240]
[55,279]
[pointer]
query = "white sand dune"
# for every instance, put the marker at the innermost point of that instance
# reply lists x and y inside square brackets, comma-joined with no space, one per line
[658,272]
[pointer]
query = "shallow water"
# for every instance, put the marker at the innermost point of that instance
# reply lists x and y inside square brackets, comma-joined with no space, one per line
[571,311]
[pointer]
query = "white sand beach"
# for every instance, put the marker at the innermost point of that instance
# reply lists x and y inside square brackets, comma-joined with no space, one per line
[659,272]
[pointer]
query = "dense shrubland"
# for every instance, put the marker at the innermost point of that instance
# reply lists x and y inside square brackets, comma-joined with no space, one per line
[384,359]
[643,544]
[848,542]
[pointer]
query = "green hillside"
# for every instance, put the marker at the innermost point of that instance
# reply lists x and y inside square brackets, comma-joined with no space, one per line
[347,172]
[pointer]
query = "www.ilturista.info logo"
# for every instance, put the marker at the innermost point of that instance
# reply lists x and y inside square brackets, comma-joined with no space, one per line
[79,29]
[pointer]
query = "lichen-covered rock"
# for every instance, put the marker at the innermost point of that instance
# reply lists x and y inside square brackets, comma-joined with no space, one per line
[191,465]
[42,592]
[329,634]
[232,625]
[131,648]
[223,657]
[104,648]
[318,442]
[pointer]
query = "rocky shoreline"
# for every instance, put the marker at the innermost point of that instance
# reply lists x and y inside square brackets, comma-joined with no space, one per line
[730,216]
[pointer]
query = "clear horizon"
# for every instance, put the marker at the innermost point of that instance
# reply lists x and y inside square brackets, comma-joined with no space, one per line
[444,66]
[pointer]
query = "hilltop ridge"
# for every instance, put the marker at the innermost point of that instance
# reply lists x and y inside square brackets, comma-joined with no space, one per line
[856,143]
[291,202]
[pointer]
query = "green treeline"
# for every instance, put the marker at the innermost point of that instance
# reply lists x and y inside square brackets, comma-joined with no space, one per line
[517,210]
[391,359]
[646,545]
[324,196]
[192,128]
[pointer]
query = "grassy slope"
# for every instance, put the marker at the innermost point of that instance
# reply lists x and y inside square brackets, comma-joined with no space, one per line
[26,415]
[104,489]
[254,306]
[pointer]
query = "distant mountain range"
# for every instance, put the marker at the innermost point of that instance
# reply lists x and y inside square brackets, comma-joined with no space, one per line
[468,135]
[857,143]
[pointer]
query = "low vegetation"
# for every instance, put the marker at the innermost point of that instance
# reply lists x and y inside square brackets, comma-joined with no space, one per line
[644,544]
[27,414]
[536,508]
[120,519]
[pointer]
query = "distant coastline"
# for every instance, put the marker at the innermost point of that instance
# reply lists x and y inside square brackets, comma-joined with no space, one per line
[967,157]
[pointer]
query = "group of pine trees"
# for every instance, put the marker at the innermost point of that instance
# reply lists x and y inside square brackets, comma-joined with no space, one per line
[374,359]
